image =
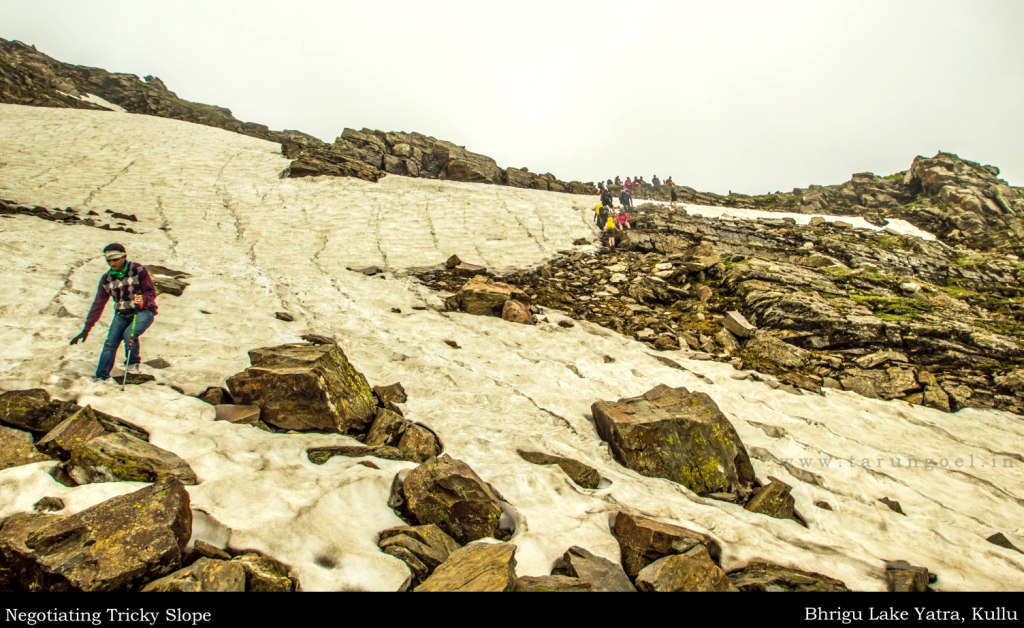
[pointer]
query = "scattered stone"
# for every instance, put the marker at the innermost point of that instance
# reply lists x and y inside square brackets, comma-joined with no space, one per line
[169,285]
[320,455]
[452,344]
[738,324]
[415,442]
[517,312]
[643,540]
[600,573]
[481,567]
[215,396]
[393,393]
[675,434]
[583,475]
[204,549]
[704,293]
[247,415]
[761,576]
[447,492]
[893,505]
[117,456]
[1000,539]
[823,505]
[553,584]
[469,270]
[284,316]
[17,448]
[157,363]
[264,575]
[369,271]
[692,571]
[773,500]
[305,388]
[902,577]
[422,548]
[483,296]
[316,339]
[116,545]
[566,323]
[452,262]
[49,504]
[203,575]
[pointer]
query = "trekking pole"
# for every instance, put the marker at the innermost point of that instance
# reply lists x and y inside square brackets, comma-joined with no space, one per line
[128,353]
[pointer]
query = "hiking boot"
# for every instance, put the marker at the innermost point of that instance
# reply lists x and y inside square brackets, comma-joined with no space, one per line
[100,380]
[133,368]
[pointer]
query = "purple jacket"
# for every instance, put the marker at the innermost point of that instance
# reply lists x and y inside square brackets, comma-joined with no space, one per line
[136,281]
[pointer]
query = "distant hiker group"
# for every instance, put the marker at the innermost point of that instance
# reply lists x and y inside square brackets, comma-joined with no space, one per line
[612,221]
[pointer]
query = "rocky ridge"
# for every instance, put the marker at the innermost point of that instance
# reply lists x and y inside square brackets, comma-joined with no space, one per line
[961,201]
[29,77]
[878,313]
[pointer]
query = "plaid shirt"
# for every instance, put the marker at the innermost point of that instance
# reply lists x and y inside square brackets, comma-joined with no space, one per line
[136,281]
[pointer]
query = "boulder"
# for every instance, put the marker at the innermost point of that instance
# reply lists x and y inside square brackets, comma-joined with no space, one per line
[117,456]
[481,567]
[643,540]
[761,576]
[422,548]
[485,297]
[17,448]
[773,500]
[693,571]
[416,442]
[675,434]
[600,573]
[448,493]
[116,545]
[203,575]
[32,410]
[74,431]
[305,388]
[583,475]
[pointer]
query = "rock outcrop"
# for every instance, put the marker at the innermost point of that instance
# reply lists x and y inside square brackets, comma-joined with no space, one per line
[876,313]
[29,77]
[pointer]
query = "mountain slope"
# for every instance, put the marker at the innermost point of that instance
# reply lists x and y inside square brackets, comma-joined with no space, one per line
[211,203]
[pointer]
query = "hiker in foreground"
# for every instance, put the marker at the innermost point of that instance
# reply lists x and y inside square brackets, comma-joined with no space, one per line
[131,286]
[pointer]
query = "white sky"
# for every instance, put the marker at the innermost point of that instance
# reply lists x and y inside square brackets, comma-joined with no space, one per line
[739,95]
[211,203]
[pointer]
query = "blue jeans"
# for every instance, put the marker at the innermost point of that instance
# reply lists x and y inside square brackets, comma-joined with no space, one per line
[121,331]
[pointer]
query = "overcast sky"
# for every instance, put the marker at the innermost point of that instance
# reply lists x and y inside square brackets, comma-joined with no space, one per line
[749,96]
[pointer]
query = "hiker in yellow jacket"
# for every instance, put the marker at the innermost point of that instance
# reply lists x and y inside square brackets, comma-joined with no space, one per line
[609,231]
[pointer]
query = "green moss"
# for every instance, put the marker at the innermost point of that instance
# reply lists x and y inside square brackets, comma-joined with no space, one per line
[893,308]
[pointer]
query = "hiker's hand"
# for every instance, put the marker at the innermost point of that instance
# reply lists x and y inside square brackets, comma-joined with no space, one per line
[137,299]
[79,338]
